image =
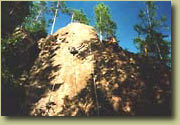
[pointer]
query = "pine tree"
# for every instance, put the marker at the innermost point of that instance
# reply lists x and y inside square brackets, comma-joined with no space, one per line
[55,7]
[55,15]
[33,22]
[150,40]
[77,16]
[42,9]
[103,22]
[80,17]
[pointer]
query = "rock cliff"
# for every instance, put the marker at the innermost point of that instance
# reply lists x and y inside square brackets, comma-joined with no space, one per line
[77,75]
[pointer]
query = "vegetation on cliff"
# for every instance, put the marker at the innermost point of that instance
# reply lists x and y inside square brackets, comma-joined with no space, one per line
[81,70]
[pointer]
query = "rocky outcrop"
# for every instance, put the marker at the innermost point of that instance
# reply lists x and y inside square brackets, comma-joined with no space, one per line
[77,75]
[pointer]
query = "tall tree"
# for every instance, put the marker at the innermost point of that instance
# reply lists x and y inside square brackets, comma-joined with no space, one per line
[77,16]
[34,22]
[150,40]
[55,7]
[55,15]
[103,22]
[42,9]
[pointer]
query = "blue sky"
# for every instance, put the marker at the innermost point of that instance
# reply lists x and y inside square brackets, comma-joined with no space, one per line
[124,13]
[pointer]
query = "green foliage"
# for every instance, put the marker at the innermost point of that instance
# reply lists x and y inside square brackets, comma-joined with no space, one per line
[53,6]
[34,22]
[21,23]
[15,41]
[77,15]
[139,42]
[53,11]
[80,17]
[9,42]
[103,22]
[149,35]
[13,14]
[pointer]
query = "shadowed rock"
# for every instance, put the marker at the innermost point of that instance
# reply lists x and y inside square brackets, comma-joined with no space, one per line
[95,78]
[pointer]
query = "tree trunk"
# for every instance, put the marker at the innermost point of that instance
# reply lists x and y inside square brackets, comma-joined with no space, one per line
[147,11]
[54,20]
[159,51]
[146,49]
[72,17]
[38,15]
[100,28]
[149,32]
[100,36]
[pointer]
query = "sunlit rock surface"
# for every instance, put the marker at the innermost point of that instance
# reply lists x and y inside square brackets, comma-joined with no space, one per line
[77,75]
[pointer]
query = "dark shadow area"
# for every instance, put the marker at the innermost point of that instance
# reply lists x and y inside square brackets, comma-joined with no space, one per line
[45,59]
[124,86]
[10,10]
[145,91]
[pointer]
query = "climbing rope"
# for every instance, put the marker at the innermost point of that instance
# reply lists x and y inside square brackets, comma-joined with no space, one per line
[49,100]
[75,77]
[94,84]
[52,89]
